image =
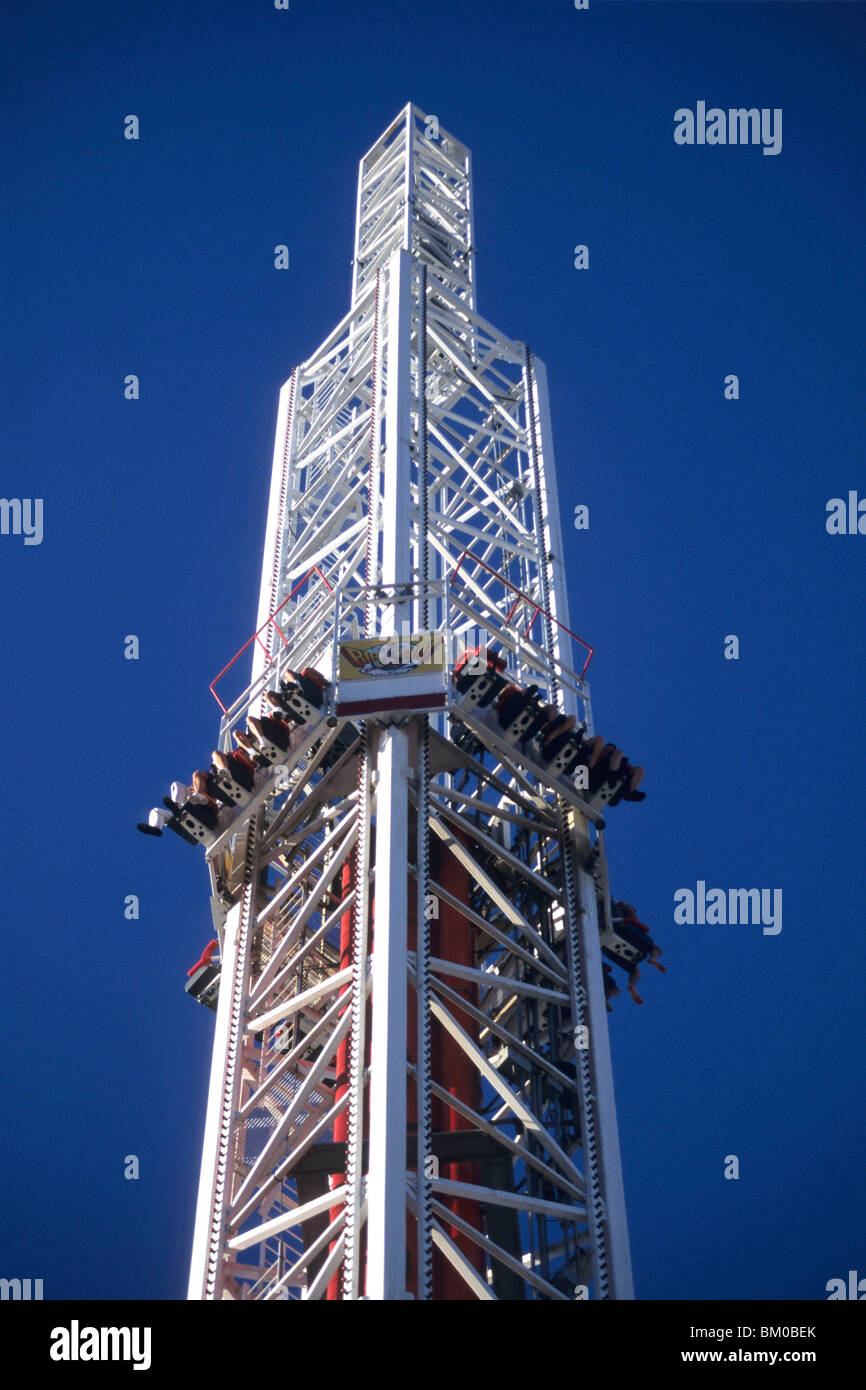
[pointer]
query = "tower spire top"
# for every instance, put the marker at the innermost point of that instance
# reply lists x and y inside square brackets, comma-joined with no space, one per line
[415,193]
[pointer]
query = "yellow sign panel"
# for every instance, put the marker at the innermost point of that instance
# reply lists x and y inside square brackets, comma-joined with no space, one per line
[410,654]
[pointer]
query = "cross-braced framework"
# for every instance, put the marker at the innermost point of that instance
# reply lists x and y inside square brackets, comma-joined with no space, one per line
[411,1091]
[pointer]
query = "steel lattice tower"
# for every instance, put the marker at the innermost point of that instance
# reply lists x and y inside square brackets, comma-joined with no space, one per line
[411,1090]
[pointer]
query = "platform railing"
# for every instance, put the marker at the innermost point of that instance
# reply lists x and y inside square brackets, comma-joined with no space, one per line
[311,632]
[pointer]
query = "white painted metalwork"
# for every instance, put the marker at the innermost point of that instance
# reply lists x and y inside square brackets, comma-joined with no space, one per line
[397,1108]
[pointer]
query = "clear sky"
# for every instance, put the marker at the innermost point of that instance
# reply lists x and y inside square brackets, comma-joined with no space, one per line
[707,518]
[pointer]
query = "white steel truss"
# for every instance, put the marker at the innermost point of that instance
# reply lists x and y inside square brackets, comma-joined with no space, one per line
[411,1090]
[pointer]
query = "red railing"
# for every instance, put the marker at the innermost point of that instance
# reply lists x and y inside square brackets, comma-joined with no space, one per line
[524,598]
[272,619]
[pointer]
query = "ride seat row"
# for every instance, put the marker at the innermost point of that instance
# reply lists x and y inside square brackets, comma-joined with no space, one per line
[556,739]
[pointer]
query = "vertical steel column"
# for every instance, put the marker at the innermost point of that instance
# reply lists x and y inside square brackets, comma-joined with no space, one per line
[278,516]
[214,1191]
[358,1042]
[386,1175]
[409,178]
[611,1252]
[424,1040]
[397,501]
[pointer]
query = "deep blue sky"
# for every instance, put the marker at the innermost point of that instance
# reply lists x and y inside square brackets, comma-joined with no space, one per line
[707,517]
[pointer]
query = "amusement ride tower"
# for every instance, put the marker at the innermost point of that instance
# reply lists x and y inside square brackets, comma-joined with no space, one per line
[411,1092]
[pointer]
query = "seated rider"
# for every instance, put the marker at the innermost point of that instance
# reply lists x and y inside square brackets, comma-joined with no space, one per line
[512,703]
